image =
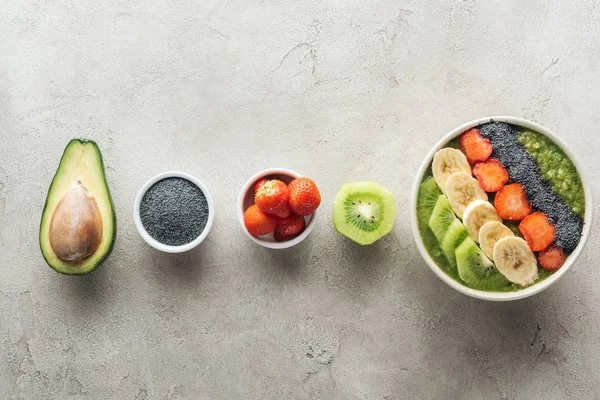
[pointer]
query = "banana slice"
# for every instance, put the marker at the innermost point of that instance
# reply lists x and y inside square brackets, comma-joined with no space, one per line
[515,260]
[490,233]
[477,214]
[446,162]
[462,189]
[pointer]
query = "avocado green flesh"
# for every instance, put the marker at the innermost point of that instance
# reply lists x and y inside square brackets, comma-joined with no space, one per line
[556,168]
[81,162]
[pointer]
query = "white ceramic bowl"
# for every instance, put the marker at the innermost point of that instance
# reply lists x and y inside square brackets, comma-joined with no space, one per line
[538,287]
[246,199]
[155,243]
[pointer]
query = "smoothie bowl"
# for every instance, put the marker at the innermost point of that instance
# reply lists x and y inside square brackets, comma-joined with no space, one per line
[500,209]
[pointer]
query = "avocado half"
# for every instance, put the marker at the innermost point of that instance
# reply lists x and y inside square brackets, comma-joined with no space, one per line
[81,167]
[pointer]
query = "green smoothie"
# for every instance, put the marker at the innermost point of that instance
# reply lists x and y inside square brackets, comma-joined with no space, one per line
[556,168]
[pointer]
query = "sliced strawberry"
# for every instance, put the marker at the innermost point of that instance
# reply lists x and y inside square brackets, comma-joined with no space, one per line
[538,231]
[552,258]
[476,147]
[491,175]
[511,202]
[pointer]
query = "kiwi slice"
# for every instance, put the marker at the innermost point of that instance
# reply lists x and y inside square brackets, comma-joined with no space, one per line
[364,211]
[454,236]
[429,192]
[441,217]
[475,269]
[427,198]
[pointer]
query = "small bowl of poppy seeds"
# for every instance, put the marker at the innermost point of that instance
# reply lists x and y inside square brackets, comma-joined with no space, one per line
[173,212]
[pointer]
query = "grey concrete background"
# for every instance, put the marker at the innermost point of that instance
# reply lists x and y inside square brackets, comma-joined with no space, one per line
[339,91]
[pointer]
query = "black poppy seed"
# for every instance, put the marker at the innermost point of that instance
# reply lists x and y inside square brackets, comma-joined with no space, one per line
[568,232]
[174,211]
[523,169]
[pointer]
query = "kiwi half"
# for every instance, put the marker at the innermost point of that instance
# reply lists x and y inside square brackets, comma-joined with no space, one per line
[364,211]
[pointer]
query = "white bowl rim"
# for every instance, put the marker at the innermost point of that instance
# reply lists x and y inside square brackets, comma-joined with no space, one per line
[155,243]
[540,286]
[242,196]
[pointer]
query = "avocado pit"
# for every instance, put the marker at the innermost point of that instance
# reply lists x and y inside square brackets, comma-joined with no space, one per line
[76,225]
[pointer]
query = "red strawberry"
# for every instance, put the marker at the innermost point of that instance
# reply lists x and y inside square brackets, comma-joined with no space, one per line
[476,147]
[259,223]
[289,227]
[511,202]
[259,184]
[491,175]
[552,258]
[273,197]
[304,196]
[538,231]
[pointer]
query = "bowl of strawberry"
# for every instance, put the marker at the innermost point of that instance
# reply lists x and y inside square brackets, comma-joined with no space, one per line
[277,208]
[500,208]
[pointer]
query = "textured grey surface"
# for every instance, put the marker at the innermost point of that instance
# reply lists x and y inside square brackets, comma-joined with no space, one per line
[339,91]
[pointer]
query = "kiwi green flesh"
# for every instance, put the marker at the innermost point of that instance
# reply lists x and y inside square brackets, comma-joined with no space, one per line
[427,198]
[476,270]
[441,217]
[364,211]
[454,236]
